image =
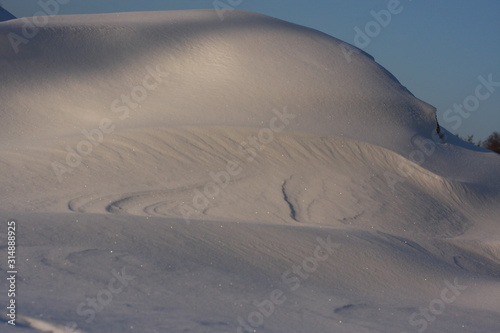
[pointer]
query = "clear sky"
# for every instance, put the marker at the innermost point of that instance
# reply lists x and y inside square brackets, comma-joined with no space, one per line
[437,49]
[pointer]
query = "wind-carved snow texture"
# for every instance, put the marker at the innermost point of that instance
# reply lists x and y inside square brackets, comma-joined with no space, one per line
[293,213]
[125,147]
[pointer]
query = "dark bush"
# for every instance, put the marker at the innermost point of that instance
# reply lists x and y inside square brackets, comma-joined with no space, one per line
[493,142]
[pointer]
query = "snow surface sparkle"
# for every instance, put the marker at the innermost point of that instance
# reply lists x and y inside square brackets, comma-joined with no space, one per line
[197,175]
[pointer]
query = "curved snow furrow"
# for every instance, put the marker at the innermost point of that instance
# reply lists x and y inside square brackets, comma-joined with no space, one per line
[150,203]
[288,201]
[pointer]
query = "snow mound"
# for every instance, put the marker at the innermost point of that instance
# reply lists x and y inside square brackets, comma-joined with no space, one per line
[242,67]
[204,163]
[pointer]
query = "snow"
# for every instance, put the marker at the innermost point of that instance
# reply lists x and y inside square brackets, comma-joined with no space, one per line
[252,145]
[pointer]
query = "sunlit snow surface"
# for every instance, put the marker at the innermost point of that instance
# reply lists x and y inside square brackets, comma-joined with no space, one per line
[174,172]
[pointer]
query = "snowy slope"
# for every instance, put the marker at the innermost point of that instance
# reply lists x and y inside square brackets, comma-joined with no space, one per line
[207,158]
[221,66]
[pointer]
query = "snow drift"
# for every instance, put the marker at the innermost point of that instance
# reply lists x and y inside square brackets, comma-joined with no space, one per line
[212,65]
[208,158]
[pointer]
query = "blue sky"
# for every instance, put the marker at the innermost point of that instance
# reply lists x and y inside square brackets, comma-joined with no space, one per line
[437,49]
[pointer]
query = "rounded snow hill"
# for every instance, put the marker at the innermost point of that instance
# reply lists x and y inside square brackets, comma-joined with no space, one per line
[230,72]
[160,107]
